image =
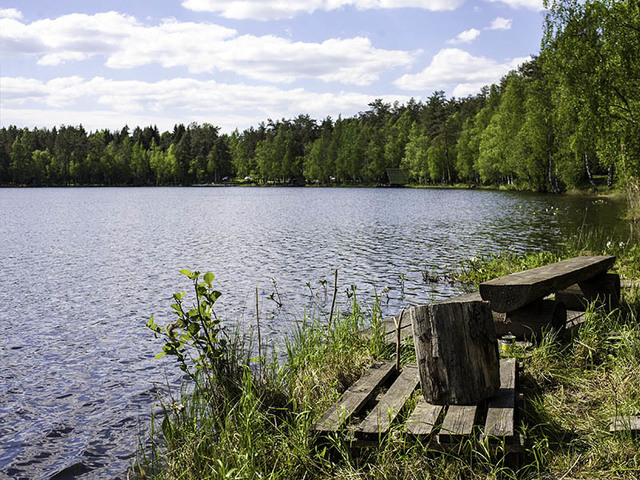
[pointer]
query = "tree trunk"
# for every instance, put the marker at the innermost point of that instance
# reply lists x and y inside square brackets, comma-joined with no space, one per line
[589,175]
[457,352]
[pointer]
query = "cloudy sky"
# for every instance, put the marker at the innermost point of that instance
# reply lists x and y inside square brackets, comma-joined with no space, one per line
[235,63]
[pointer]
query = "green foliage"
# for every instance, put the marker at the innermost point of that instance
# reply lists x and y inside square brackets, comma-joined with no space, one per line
[195,338]
[241,422]
[476,270]
[554,124]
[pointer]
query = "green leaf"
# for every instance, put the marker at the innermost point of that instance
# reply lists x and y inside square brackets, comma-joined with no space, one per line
[208,278]
[186,271]
[160,355]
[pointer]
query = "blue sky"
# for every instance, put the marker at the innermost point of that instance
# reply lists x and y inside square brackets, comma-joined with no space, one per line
[235,63]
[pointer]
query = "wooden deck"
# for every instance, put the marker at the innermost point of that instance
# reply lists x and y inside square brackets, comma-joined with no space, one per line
[385,400]
[381,399]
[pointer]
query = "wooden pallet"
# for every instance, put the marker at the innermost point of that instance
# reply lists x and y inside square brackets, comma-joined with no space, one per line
[369,409]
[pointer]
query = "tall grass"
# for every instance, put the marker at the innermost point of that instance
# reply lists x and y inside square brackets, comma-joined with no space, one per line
[251,423]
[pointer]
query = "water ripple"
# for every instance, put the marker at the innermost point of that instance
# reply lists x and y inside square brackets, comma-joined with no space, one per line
[83,269]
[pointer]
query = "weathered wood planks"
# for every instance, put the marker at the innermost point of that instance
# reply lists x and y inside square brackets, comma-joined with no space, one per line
[458,423]
[385,412]
[501,410]
[424,418]
[508,293]
[356,396]
[625,424]
[443,426]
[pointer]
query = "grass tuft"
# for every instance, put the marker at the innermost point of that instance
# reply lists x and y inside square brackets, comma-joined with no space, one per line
[250,423]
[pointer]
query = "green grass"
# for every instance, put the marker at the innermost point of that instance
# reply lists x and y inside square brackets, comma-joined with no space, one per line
[252,422]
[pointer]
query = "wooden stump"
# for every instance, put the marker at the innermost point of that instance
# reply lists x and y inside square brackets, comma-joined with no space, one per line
[604,289]
[457,352]
[530,321]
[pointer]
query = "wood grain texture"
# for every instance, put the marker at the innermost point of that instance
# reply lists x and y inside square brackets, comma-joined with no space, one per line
[456,351]
[508,293]
[501,409]
[356,397]
[625,424]
[385,412]
[424,418]
[458,423]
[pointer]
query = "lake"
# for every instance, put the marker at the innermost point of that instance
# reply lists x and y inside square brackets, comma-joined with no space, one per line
[83,270]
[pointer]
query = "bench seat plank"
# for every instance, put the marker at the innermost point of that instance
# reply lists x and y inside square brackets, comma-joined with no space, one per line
[508,293]
[356,397]
[382,416]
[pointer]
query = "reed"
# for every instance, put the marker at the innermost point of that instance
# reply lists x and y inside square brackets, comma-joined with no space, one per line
[245,425]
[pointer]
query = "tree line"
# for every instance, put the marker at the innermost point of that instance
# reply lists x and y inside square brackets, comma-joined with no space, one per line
[560,121]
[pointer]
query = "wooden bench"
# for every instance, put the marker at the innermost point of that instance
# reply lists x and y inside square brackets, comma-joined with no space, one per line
[517,299]
[379,401]
[511,292]
[519,303]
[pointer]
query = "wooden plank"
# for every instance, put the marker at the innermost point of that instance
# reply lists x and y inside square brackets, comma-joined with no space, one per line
[469,297]
[424,418]
[356,397]
[458,423]
[625,424]
[508,293]
[501,409]
[574,319]
[385,412]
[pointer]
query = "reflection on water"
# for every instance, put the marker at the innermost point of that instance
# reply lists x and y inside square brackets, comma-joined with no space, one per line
[83,269]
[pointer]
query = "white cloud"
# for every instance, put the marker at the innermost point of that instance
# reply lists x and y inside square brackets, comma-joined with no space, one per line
[199,47]
[273,10]
[466,36]
[10,13]
[500,23]
[535,5]
[105,103]
[452,66]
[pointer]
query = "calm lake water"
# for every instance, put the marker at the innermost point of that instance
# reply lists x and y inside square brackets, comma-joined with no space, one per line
[83,270]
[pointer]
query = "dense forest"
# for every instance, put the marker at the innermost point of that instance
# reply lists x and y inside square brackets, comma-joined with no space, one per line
[562,119]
